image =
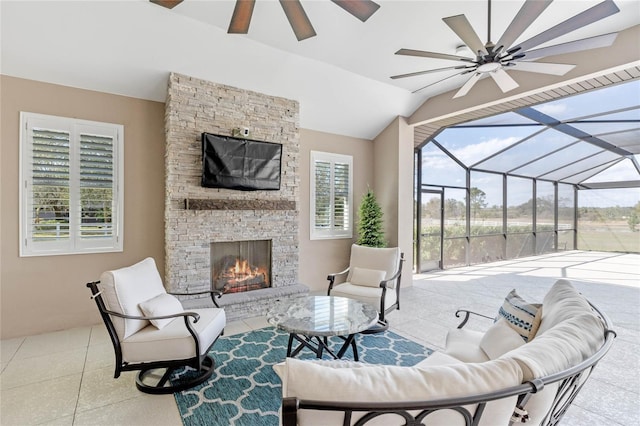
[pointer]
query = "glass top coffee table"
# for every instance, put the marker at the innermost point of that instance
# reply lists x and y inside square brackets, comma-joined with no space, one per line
[311,319]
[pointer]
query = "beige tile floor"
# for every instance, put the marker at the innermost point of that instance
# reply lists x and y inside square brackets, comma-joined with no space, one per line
[66,377]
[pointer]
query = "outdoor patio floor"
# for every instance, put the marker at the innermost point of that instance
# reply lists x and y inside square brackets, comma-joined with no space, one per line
[66,377]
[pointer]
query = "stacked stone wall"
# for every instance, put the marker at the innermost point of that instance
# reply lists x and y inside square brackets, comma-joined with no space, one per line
[195,106]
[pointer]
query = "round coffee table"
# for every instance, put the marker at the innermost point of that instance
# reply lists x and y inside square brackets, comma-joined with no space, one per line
[311,319]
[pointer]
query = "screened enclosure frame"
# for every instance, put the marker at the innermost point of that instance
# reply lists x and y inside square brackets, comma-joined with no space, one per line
[591,143]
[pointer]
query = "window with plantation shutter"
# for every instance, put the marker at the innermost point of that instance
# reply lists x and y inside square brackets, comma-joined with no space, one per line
[71,171]
[331,195]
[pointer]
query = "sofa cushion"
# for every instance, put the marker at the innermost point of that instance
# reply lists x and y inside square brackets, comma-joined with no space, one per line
[381,383]
[499,339]
[565,345]
[161,305]
[124,289]
[367,277]
[464,345]
[522,316]
[562,302]
[438,358]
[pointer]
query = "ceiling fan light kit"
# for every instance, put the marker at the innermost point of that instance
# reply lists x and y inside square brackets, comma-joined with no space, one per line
[493,59]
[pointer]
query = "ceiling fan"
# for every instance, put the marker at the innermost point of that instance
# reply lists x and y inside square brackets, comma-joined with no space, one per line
[297,17]
[492,59]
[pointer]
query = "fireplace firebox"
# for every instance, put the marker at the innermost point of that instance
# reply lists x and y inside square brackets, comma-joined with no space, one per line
[238,266]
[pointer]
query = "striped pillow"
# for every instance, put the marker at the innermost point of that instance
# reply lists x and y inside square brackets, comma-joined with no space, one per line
[522,316]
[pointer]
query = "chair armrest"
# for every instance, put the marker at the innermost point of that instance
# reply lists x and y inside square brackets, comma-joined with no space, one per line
[332,277]
[383,283]
[212,293]
[196,317]
[467,314]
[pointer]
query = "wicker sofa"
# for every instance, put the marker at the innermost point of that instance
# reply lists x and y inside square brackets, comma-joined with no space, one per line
[490,378]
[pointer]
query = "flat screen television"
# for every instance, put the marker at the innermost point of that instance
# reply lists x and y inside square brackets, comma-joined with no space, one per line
[242,164]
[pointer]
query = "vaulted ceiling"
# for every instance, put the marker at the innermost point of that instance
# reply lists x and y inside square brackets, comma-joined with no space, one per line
[341,77]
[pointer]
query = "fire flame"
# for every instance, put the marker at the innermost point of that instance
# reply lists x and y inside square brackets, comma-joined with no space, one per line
[242,271]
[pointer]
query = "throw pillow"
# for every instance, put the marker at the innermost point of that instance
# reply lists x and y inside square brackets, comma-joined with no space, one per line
[367,277]
[499,339]
[162,304]
[522,316]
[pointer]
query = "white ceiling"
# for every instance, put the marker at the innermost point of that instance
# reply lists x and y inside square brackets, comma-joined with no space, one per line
[340,77]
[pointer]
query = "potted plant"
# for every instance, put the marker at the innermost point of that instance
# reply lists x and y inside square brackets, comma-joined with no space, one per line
[370,232]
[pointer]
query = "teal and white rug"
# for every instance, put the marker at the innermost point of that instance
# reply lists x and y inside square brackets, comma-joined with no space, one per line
[245,391]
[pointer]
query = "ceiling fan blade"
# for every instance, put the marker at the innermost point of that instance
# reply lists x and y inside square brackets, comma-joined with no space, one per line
[503,80]
[604,40]
[241,17]
[169,4]
[440,81]
[298,19]
[361,9]
[528,13]
[468,85]
[589,16]
[434,55]
[461,26]
[413,74]
[542,67]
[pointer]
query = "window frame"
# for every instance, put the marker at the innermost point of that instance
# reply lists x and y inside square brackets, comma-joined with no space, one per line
[317,233]
[76,243]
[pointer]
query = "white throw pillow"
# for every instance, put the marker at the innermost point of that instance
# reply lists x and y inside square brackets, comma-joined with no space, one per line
[367,277]
[162,304]
[499,339]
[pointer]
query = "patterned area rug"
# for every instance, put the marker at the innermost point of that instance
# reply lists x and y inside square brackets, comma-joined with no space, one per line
[245,391]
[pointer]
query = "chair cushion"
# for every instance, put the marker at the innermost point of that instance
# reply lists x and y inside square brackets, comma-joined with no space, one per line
[124,289]
[174,342]
[162,304]
[384,383]
[386,259]
[365,294]
[367,277]
[499,339]
[522,316]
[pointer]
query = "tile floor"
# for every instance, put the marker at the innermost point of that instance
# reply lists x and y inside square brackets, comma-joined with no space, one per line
[73,383]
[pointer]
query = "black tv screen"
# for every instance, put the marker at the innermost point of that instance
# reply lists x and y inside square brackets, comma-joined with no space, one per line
[243,164]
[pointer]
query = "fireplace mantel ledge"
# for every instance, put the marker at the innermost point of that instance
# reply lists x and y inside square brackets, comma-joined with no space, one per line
[221,204]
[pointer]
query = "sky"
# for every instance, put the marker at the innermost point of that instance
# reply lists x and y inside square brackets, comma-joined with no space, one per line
[543,152]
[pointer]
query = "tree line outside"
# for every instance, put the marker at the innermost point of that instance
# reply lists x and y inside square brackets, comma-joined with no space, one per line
[599,228]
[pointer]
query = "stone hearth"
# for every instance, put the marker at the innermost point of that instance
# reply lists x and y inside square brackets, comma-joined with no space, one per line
[196,216]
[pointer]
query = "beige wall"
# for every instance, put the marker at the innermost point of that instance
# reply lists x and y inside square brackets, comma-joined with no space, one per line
[48,293]
[41,294]
[318,258]
[393,184]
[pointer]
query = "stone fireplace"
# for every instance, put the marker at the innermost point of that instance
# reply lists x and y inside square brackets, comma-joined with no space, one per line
[238,266]
[196,216]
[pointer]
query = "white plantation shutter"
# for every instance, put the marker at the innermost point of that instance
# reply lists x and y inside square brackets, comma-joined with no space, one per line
[331,195]
[48,212]
[70,198]
[96,186]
